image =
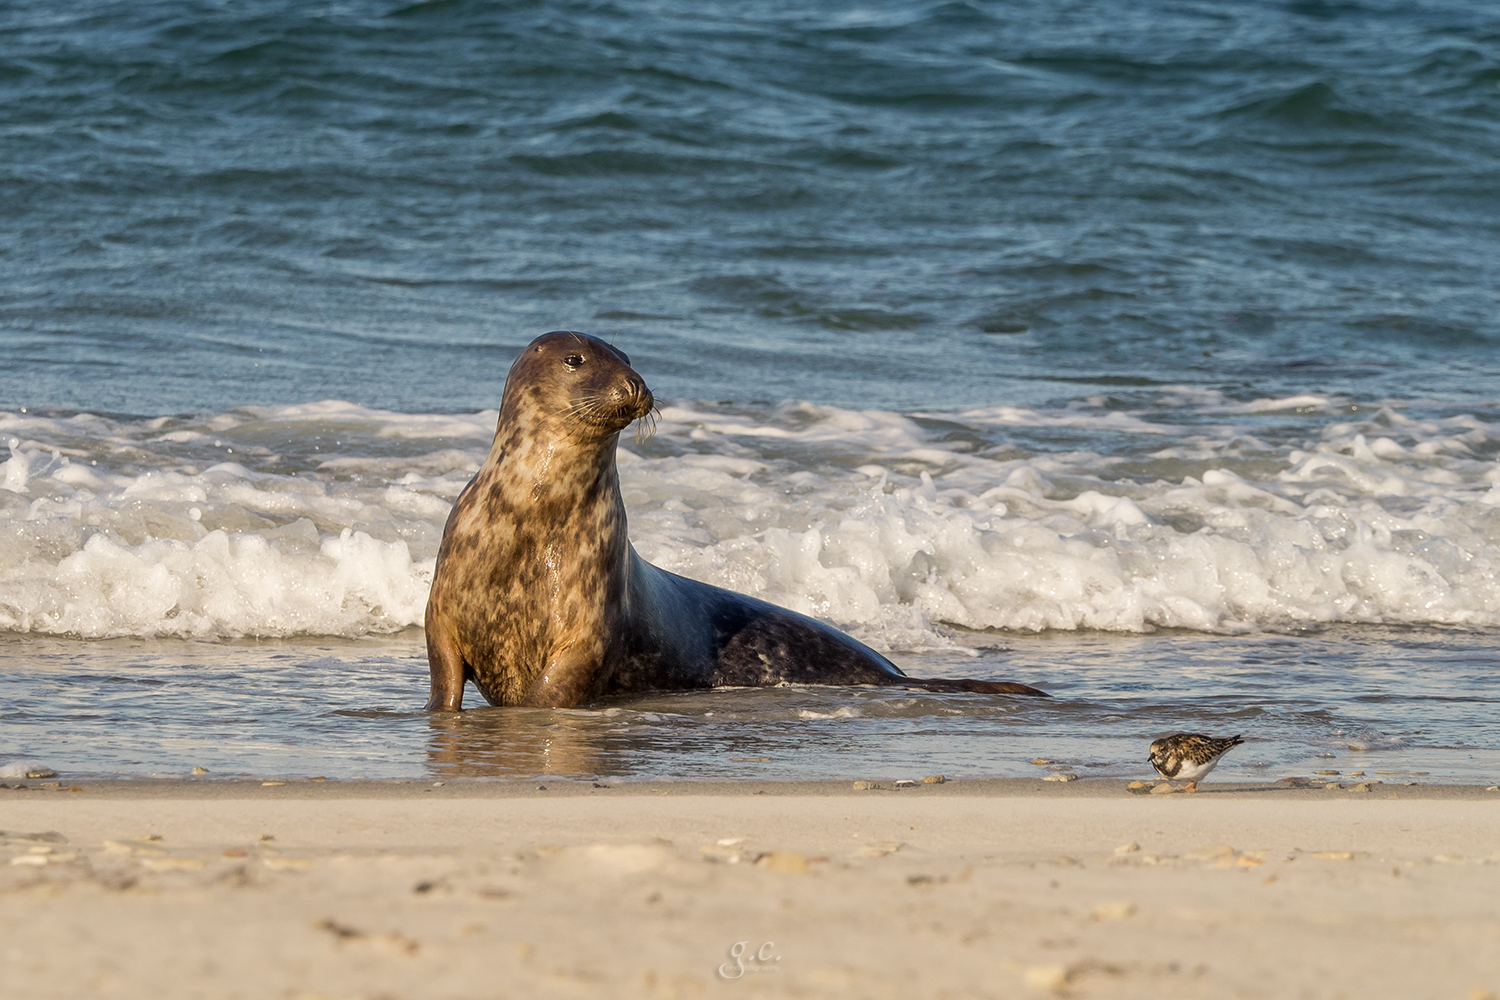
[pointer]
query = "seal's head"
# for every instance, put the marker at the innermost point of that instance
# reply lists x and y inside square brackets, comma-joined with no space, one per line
[577,382]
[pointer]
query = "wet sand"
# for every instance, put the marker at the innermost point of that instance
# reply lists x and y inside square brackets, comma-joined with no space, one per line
[413,890]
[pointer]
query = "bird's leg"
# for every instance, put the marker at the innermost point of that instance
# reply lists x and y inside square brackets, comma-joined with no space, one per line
[1192,786]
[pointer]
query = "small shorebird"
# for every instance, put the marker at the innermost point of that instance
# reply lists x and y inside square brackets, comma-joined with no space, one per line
[1189,756]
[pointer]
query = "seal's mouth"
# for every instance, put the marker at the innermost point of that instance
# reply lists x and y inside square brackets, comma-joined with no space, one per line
[611,410]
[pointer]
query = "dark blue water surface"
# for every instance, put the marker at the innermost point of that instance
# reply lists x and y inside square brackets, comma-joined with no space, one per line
[893,204]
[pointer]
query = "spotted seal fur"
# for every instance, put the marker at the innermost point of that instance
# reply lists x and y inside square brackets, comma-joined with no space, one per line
[539,597]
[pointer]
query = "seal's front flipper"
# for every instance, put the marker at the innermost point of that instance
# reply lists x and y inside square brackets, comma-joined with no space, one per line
[447,668]
[571,678]
[965,684]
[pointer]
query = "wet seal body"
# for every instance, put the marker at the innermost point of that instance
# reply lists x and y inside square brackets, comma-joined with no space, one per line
[539,597]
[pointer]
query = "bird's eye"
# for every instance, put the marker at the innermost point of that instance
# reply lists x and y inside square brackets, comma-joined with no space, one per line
[574,361]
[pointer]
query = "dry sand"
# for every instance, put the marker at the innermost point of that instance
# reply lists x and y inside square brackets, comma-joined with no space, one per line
[1004,889]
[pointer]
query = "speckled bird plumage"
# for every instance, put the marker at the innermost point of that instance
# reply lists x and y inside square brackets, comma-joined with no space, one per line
[1189,756]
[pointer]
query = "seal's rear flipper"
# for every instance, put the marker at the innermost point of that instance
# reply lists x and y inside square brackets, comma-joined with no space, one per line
[977,687]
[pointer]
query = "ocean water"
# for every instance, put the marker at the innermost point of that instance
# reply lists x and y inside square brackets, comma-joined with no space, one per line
[1146,355]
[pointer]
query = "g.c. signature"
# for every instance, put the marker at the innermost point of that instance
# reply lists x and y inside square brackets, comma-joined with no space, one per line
[739,955]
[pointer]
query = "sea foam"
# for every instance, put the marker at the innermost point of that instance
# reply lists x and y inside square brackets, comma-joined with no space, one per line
[1189,511]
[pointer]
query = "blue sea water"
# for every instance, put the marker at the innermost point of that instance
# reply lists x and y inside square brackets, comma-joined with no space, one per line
[1145,352]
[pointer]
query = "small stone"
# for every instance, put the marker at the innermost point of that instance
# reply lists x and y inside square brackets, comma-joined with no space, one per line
[265,837]
[1493,788]
[1114,911]
[1162,789]
[271,784]
[1365,786]
[863,786]
[1210,852]
[1061,777]
[1333,855]
[1333,786]
[147,838]
[789,862]
[1129,848]
[1449,859]
[934,779]
[1137,784]
[30,859]
[879,850]
[1039,761]
[1046,977]
[117,847]
[1356,774]
[41,772]
[1325,772]
[906,783]
[200,770]
[235,852]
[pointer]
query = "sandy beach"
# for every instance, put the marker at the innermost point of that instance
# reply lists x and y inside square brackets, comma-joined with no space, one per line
[412,890]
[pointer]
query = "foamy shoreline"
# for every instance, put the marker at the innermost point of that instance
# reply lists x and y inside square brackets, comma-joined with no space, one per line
[1001,888]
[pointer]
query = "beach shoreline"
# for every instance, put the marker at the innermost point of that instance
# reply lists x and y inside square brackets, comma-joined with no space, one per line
[1014,887]
[273,788]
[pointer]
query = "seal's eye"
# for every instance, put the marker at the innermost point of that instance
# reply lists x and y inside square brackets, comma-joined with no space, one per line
[573,361]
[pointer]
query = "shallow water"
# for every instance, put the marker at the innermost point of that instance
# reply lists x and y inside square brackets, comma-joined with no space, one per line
[1157,346]
[1398,704]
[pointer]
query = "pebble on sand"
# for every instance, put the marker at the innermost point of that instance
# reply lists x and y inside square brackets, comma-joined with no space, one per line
[1114,911]
[934,779]
[1210,852]
[200,770]
[1162,789]
[1046,977]
[906,783]
[1061,777]
[119,847]
[863,786]
[790,862]
[41,772]
[1039,761]
[1129,848]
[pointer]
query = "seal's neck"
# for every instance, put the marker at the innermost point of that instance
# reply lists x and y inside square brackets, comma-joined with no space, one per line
[539,470]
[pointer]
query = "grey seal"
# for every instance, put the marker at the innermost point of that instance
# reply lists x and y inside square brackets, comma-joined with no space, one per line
[539,598]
